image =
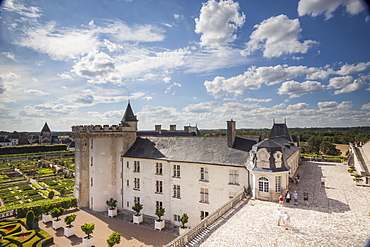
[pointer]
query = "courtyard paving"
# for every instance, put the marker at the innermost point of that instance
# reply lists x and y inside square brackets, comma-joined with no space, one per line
[337,214]
[132,235]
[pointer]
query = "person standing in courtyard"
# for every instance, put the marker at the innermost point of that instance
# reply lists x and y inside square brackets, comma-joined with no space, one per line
[323,181]
[295,198]
[305,197]
[287,197]
[281,200]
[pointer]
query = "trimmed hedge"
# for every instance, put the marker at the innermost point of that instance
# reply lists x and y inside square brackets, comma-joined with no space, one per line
[32,149]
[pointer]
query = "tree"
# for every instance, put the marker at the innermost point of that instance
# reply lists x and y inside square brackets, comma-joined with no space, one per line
[57,212]
[329,149]
[313,145]
[137,208]
[30,217]
[114,238]
[184,219]
[69,219]
[159,212]
[112,203]
[51,195]
[88,229]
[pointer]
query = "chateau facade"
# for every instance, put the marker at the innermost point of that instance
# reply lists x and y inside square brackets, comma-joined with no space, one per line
[178,170]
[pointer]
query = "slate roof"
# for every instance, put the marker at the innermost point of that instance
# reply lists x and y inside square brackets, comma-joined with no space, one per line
[280,129]
[280,143]
[205,150]
[129,114]
[165,133]
[45,128]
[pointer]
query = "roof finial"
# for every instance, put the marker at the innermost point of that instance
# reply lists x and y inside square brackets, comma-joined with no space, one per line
[273,120]
[284,120]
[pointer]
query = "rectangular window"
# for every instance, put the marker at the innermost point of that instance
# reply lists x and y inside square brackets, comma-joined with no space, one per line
[176,220]
[92,143]
[176,171]
[159,187]
[136,183]
[128,204]
[91,161]
[204,195]
[128,164]
[136,200]
[128,182]
[176,191]
[91,181]
[158,204]
[203,214]
[234,177]
[204,174]
[278,184]
[158,169]
[137,166]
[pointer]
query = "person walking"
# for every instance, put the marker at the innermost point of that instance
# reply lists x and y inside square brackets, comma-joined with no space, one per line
[295,198]
[287,197]
[286,220]
[323,181]
[305,197]
[280,214]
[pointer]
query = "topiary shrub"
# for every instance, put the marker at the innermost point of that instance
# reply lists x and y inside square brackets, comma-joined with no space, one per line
[56,212]
[114,238]
[30,219]
[184,219]
[88,228]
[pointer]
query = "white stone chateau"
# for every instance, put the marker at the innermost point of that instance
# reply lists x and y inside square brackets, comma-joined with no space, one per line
[180,171]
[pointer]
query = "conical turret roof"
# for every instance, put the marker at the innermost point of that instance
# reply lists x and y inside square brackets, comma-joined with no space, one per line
[45,128]
[129,114]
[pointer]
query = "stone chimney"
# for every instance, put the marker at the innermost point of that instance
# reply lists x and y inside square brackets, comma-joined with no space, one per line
[187,129]
[158,128]
[231,132]
[173,128]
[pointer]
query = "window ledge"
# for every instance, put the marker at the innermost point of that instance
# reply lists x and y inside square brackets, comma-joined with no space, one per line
[203,180]
[176,197]
[160,193]
[233,184]
[138,189]
[204,202]
[176,177]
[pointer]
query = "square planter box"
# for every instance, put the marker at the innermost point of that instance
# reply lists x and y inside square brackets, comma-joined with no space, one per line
[138,219]
[88,242]
[69,231]
[112,212]
[159,225]
[46,218]
[183,230]
[57,224]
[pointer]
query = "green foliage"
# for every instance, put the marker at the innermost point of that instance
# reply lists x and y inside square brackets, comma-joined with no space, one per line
[137,208]
[88,228]
[112,203]
[113,239]
[32,149]
[29,219]
[329,148]
[57,212]
[159,212]
[184,219]
[69,219]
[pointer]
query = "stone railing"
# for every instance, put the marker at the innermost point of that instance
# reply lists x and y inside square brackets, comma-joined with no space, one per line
[7,214]
[184,239]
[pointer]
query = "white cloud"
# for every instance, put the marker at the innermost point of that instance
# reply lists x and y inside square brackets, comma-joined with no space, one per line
[36,92]
[111,46]
[254,77]
[317,7]
[218,21]
[46,110]
[65,76]
[294,88]
[327,105]
[276,36]
[257,100]
[365,106]
[354,86]
[297,107]
[98,68]
[353,68]
[21,9]
[85,99]
[175,84]
[9,55]
[201,107]
[340,82]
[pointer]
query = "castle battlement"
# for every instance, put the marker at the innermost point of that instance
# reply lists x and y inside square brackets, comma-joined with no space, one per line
[98,128]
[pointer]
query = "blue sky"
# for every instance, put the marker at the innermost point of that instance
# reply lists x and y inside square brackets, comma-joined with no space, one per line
[184,62]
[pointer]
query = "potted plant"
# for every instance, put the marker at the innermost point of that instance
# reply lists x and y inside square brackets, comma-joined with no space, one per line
[56,213]
[358,179]
[137,218]
[114,238]
[69,229]
[46,217]
[88,229]
[112,210]
[159,223]
[184,219]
